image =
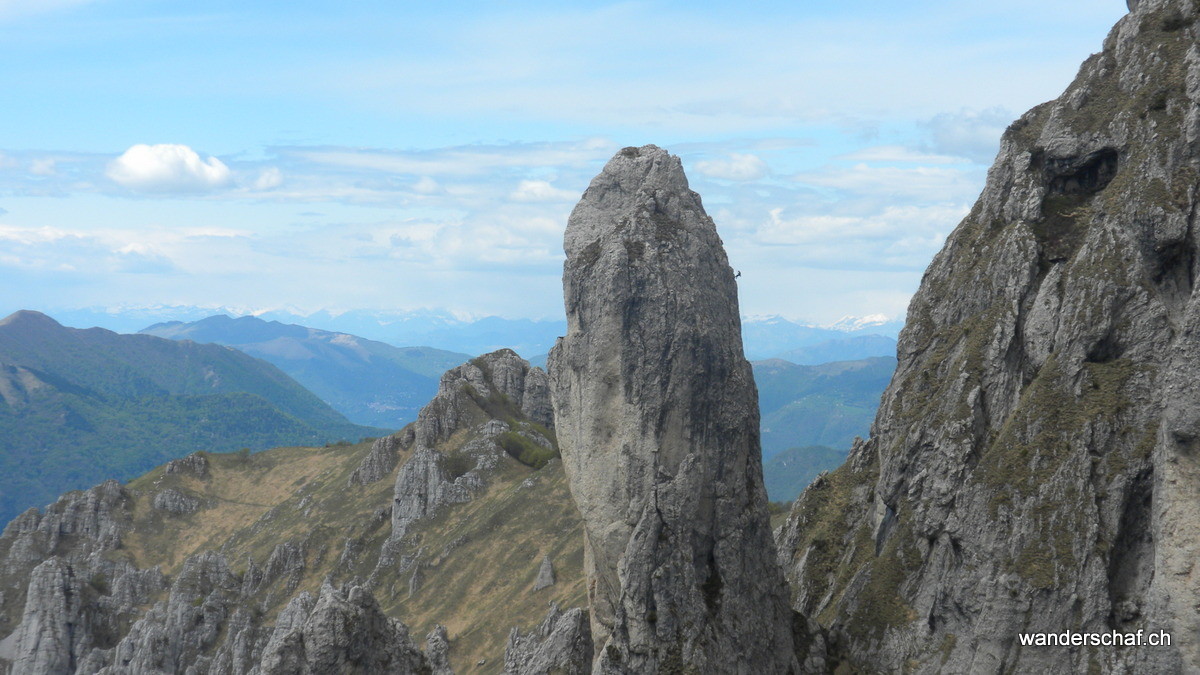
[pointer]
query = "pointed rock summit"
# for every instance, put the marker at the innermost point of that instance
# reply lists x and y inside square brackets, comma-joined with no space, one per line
[657,418]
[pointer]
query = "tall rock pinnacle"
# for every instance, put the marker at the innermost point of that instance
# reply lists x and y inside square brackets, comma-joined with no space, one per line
[657,418]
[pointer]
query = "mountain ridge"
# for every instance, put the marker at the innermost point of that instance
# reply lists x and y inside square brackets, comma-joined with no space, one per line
[370,382]
[77,406]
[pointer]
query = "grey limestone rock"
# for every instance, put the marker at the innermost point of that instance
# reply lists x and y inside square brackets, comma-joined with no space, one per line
[380,461]
[175,632]
[343,632]
[53,629]
[656,413]
[500,378]
[1032,467]
[175,502]
[424,486]
[437,651]
[561,644]
[470,398]
[545,575]
[195,464]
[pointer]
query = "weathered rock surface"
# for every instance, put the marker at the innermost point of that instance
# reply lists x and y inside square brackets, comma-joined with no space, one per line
[343,632]
[545,575]
[561,644]
[384,455]
[1033,466]
[656,413]
[485,397]
[195,464]
[437,651]
[175,502]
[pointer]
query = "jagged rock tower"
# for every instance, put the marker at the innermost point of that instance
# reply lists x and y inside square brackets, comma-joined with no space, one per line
[657,419]
[1035,463]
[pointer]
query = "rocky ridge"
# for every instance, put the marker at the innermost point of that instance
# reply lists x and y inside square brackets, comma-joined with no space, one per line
[267,563]
[1032,467]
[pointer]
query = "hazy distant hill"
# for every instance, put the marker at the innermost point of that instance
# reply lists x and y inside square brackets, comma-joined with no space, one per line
[788,473]
[764,337]
[824,405]
[842,348]
[79,406]
[367,381]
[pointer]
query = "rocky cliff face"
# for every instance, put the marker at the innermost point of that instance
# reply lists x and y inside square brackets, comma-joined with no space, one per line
[656,412]
[1033,466]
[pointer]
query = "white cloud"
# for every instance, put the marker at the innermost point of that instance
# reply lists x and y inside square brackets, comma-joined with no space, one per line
[541,191]
[140,258]
[269,179]
[899,154]
[897,236]
[469,160]
[43,167]
[736,167]
[167,168]
[920,183]
[974,134]
[426,186]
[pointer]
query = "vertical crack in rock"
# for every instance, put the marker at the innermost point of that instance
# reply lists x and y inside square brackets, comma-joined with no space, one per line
[657,418]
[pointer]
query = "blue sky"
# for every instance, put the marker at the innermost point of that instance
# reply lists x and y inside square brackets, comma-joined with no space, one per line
[396,156]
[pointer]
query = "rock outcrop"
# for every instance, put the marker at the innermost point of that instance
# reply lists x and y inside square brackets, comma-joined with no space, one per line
[384,455]
[496,398]
[1033,466]
[342,632]
[561,644]
[656,412]
[175,502]
[545,575]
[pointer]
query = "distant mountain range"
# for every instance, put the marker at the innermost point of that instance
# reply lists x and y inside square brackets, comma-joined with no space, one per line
[764,336]
[80,406]
[811,413]
[369,382]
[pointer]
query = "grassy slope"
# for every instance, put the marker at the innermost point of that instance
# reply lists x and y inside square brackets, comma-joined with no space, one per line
[479,589]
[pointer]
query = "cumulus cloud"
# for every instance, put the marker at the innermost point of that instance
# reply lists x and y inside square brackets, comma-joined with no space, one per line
[541,191]
[167,168]
[735,167]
